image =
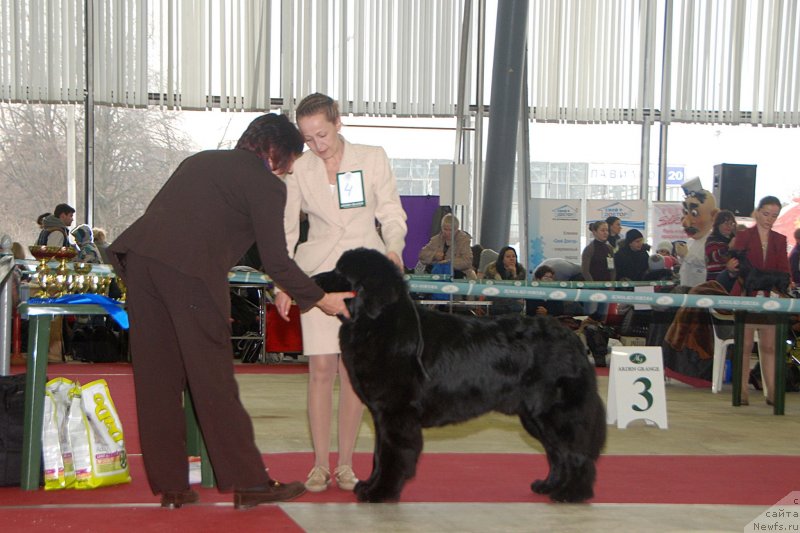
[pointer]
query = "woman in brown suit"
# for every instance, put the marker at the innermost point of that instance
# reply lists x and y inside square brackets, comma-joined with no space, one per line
[174,261]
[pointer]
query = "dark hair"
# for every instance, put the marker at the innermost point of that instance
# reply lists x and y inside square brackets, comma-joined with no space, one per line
[769,200]
[63,209]
[722,217]
[501,269]
[542,270]
[273,139]
[318,103]
[610,220]
[42,217]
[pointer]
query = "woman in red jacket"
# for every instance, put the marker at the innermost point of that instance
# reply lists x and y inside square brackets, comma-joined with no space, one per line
[766,249]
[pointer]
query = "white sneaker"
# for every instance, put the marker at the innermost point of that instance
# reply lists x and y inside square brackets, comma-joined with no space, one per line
[318,479]
[345,477]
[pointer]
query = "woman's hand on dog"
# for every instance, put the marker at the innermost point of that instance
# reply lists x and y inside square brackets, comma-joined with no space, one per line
[333,303]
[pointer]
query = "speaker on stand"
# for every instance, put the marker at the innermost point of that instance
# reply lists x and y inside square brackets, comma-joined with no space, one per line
[735,188]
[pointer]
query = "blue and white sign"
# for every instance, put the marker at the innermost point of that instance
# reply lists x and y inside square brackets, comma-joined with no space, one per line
[554,230]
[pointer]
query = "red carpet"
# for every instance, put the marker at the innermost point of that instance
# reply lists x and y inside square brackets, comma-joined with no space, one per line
[147,519]
[461,477]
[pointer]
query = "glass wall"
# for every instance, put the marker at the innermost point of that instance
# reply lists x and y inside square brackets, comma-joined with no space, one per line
[41,164]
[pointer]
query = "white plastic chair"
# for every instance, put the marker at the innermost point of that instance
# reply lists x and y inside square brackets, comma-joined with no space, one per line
[720,351]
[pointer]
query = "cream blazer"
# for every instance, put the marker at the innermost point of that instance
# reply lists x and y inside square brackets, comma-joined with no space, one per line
[332,230]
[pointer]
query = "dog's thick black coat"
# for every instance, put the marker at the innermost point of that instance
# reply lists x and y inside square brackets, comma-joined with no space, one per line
[756,279]
[416,368]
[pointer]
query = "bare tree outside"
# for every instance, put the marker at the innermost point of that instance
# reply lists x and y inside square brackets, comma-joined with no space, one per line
[135,152]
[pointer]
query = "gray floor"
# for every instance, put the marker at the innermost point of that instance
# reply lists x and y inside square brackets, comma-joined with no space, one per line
[699,423]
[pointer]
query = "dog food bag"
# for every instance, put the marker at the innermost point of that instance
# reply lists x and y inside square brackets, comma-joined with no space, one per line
[59,472]
[103,451]
[79,438]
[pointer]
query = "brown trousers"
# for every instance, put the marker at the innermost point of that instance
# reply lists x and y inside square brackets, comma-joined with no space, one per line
[179,337]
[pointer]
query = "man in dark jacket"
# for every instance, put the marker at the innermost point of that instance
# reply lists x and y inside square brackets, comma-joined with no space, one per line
[55,227]
[631,259]
[179,305]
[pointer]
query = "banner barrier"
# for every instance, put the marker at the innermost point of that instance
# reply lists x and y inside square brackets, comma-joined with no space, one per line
[574,291]
[758,304]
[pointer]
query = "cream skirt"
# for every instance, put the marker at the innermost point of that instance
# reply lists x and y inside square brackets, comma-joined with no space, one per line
[320,332]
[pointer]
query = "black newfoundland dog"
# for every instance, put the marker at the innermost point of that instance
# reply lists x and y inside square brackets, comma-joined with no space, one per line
[756,279]
[416,368]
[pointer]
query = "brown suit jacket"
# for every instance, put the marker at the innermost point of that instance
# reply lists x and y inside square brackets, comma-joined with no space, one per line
[203,220]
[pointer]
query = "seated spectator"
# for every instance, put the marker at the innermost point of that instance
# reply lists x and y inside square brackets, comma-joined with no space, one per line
[664,249]
[102,243]
[506,268]
[631,259]
[450,244]
[657,269]
[564,270]
[544,307]
[718,242]
[88,252]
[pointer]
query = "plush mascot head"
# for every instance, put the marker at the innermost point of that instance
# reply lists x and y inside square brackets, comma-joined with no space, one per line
[699,210]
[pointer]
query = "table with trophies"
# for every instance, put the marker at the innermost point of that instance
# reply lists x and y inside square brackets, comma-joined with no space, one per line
[68,288]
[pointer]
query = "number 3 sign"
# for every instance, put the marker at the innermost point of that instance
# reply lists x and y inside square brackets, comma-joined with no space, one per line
[636,386]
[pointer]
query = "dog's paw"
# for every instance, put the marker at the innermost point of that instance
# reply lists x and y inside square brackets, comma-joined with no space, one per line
[374,493]
[542,486]
[572,494]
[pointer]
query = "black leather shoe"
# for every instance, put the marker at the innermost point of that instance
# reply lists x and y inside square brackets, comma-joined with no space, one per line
[273,491]
[174,499]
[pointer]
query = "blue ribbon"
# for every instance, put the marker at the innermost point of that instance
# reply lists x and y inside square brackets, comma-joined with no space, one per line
[112,307]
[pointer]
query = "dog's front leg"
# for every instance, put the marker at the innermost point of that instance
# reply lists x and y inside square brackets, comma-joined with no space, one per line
[398,443]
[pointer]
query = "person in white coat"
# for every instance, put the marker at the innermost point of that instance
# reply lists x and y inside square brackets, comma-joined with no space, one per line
[344,189]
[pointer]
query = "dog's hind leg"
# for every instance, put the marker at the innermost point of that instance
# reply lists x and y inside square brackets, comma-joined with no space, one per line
[398,444]
[572,432]
[572,465]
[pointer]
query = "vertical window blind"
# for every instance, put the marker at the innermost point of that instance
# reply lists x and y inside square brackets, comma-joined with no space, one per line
[586,60]
[589,61]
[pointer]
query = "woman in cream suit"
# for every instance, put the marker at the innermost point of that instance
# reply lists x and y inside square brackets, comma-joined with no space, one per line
[343,188]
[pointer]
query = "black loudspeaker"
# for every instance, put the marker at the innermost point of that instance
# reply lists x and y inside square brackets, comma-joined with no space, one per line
[735,188]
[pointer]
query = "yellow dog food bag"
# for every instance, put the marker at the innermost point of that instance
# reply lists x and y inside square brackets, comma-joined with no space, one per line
[59,471]
[98,443]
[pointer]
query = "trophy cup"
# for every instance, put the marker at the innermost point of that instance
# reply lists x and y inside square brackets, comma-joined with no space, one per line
[43,277]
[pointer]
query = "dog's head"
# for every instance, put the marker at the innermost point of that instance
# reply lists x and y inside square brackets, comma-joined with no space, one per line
[375,279]
[744,262]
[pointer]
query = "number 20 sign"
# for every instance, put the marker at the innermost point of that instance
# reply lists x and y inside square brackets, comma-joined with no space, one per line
[636,386]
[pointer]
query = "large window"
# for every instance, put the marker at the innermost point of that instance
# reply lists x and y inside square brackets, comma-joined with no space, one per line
[41,164]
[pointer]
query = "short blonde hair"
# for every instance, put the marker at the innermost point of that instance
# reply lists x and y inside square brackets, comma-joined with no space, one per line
[450,220]
[318,103]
